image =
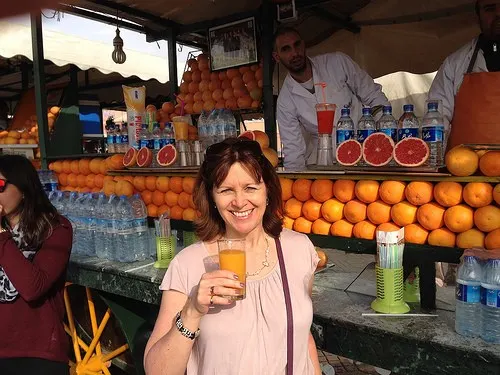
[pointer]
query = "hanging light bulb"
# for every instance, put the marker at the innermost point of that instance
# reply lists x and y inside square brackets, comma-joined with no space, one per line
[118,54]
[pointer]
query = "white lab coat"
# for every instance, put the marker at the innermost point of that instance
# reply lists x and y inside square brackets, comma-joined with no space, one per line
[347,85]
[450,76]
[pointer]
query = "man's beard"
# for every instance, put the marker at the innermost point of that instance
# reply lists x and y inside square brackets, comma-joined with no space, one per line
[297,69]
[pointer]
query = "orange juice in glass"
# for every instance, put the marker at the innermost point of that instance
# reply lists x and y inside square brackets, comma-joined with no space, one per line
[232,257]
[181,127]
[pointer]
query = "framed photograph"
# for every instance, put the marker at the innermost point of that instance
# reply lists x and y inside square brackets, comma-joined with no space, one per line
[287,12]
[233,44]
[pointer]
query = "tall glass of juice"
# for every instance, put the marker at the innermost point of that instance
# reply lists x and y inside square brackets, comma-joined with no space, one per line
[232,257]
[325,113]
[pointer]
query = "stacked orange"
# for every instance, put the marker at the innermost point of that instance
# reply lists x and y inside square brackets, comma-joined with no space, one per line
[202,89]
[463,161]
[442,214]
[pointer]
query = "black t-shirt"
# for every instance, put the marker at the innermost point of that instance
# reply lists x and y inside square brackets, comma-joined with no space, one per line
[491,52]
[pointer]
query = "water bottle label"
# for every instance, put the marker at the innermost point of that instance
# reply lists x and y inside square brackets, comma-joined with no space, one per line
[157,144]
[118,139]
[124,138]
[433,134]
[407,133]
[490,297]
[170,141]
[344,135]
[110,140]
[146,143]
[127,227]
[363,134]
[391,132]
[141,225]
[468,293]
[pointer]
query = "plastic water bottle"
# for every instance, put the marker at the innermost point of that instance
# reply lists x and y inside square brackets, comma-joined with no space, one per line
[124,137]
[91,204]
[157,142]
[145,137]
[408,125]
[231,128]
[202,127]
[490,302]
[142,242]
[468,298]
[168,134]
[101,226]
[345,127]
[366,125]
[387,124]
[212,128]
[433,134]
[110,140]
[111,238]
[125,251]
[117,139]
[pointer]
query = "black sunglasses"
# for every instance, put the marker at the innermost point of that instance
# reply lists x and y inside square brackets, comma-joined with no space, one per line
[3,184]
[236,144]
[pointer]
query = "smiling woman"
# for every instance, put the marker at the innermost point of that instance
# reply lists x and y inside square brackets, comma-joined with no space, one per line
[239,196]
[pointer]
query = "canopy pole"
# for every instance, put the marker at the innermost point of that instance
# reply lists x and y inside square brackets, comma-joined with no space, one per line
[267,23]
[172,60]
[39,81]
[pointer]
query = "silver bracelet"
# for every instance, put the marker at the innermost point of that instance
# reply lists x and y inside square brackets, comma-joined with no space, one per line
[183,330]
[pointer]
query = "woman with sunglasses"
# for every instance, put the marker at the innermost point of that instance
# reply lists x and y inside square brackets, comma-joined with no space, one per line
[198,331]
[35,244]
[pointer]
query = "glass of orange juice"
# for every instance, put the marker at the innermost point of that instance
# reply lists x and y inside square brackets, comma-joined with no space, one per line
[232,257]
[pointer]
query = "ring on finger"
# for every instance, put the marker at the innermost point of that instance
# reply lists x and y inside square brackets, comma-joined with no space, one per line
[212,290]
[212,299]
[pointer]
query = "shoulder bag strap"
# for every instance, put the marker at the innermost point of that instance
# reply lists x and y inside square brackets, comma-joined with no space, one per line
[289,313]
[474,57]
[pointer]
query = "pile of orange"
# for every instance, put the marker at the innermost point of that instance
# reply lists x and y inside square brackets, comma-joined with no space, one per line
[463,161]
[160,194]
[202,89]
[441,214]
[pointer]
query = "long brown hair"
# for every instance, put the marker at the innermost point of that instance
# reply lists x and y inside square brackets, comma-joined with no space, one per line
[37,215]
[214,170]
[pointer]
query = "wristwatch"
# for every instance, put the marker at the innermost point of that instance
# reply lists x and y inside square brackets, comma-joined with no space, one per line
[183,330]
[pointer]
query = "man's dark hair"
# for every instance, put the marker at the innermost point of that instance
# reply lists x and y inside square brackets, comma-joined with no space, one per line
[282,30]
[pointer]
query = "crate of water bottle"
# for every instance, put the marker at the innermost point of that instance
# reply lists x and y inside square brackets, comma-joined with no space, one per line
[48,179]
[477,295]
[215,126]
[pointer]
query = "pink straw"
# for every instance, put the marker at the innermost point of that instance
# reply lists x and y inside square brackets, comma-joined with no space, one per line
[182,103]
[323,86]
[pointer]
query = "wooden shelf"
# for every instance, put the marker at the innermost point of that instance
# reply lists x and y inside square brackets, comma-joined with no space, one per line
[80,156]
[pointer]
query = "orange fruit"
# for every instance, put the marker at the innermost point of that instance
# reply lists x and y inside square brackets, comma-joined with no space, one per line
[158,198]
[150,183]
[442,237]
[487,218]
[171,198]
[459,218]
[286,188]
[176,212]
[378,212]
[103,167]
[461,161]
[364,229]
[57,166]
[63,179]
[321,226]
[332,210]
[496,194]
[147,197]
[66,166]
[293,208]
[108,178]
[75,168]
[183,200]
[301,224]
[489,164]
[124,188]
[162,184]
[478,194]
[367,191]
[129,179]
[139,183]
[404,213]
[355,211]
[152,210]
[163,209]
[341,228]
[419,192]
[109,187]
[301,189]
[414,233]
[84,166]
[189,214]
[470,238]
[176,184]
[392,192]
[448,193]
[81,180]
[188,184]
[72,180]
[343,190]
[288,222]
[90,181]
[492,240]
[431,216]
[95,165]
[99,181]
[311,210]
[388,227]
[322,190]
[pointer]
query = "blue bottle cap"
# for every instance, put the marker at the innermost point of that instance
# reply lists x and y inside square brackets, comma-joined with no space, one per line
[387,109]
[367,111]
[408,108]
[432,106]
[345,112]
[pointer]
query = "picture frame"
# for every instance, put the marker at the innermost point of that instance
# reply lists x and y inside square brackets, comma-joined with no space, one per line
[233,44]
[287,12]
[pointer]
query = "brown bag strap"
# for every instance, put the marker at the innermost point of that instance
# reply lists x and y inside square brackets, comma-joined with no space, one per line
[289,314]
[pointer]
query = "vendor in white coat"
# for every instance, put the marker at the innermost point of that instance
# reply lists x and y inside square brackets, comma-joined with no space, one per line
[347,86]
[468,83]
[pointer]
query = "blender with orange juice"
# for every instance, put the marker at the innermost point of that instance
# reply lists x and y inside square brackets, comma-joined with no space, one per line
[325,113]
